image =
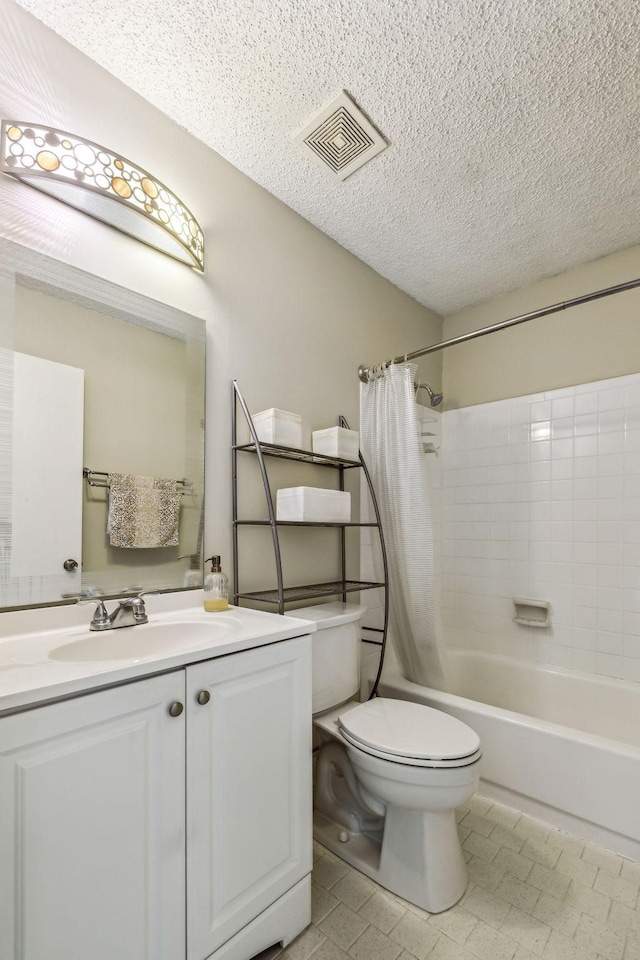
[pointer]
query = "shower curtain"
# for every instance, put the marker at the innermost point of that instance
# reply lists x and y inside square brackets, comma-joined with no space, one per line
[392,448]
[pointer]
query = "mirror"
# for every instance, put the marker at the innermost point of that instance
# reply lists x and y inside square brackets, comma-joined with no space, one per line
[101,437]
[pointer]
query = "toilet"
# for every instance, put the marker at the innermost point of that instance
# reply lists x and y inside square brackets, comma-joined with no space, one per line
[389,773]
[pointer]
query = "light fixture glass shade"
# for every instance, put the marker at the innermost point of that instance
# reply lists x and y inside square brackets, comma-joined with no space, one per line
[103,184]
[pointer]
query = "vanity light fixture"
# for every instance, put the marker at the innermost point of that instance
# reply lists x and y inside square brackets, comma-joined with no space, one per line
[104,185]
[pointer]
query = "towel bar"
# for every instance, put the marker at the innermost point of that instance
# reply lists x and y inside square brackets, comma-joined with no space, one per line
[103,481]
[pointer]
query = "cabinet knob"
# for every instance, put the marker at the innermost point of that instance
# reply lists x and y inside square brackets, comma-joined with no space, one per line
[70,565]
[203,697]
[176,708]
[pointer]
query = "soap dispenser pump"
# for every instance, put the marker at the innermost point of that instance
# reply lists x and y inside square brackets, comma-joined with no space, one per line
[216,588]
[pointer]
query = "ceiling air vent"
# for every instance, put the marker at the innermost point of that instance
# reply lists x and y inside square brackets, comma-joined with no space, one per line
[340,137]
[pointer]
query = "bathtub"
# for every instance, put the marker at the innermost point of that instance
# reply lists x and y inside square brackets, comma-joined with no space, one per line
[557,744]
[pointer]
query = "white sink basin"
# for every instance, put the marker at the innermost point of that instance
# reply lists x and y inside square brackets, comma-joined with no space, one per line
[147,640]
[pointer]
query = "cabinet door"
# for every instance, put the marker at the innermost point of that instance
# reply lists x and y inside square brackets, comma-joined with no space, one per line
[248,787]
[92,827]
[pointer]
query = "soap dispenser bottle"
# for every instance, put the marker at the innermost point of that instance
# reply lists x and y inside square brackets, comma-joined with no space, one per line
[216,588]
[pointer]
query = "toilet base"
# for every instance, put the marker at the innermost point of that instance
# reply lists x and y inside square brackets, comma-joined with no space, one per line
[434,882]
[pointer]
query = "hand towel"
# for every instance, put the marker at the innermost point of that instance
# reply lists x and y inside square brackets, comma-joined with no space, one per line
[144,512]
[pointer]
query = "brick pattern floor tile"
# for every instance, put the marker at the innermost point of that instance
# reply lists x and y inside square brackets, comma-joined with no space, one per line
[534,893]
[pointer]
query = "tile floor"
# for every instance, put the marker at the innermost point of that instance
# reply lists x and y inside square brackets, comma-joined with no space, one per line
[534,892]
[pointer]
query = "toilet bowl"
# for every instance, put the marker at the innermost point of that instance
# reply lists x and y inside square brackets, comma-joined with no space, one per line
[386,802]
[389,774]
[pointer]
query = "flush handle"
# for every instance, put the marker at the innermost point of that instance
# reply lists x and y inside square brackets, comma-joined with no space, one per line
[176,708]
[203,697]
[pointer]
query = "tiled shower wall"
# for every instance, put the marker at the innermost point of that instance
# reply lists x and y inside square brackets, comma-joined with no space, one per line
[541,499]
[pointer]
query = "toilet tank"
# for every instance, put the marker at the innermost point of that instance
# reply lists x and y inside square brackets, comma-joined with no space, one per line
[335,648]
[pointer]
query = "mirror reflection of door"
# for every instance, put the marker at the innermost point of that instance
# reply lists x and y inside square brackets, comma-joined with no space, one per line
[48,418]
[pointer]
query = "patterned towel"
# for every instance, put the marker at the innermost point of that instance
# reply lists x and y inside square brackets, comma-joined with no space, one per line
[143,511]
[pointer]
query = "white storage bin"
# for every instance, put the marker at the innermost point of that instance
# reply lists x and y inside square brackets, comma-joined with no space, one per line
[336,442]
[279,426]
[313,504]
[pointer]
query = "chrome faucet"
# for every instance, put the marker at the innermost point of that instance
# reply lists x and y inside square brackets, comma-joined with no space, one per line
[129,613]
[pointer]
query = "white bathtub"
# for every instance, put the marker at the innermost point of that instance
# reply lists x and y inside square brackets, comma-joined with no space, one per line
[569,755]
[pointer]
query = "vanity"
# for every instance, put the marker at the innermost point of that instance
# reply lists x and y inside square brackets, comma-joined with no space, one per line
[155,784]
[155,778]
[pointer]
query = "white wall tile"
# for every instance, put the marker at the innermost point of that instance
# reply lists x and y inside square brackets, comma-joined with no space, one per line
[613,509]
[611,399]
[585,402]
[540,411]
[611,420]
[541,450]
[610,553]
[610,621]
[555,514]
[613,464]
[611,486]
[611,443]
[584,639]
[585,574]
[560,449]
[585,466]
[610,575]
[562,470]
[561,552]
[585,489]
[562,428]
[583,660]
[562,406]
[585,446]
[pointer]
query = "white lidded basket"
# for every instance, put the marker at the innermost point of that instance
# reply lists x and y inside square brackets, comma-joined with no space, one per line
[278,426]
[313,505]
[336,442]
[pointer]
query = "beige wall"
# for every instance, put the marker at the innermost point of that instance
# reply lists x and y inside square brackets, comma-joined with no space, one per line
[595,341]
[289,312]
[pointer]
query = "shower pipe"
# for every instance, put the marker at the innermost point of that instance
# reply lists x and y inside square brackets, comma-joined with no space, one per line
[367,374]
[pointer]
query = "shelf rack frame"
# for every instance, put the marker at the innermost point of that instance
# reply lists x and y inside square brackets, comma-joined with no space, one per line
[282,595]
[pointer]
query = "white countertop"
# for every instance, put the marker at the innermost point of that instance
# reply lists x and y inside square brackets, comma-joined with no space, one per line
[30,674]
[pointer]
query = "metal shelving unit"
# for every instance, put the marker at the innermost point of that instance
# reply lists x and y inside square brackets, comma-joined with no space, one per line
[281,595]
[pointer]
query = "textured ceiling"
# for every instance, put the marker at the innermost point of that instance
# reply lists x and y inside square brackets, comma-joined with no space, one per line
[513,124]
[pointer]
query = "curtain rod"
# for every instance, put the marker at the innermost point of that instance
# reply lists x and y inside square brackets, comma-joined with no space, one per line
[371,373]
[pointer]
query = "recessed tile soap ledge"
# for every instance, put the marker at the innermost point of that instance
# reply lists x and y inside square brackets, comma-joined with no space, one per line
[532,613]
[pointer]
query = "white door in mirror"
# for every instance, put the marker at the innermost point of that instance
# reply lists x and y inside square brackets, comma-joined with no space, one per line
[48,422]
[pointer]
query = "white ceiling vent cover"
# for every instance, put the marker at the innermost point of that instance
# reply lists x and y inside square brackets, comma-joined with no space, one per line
[340,137]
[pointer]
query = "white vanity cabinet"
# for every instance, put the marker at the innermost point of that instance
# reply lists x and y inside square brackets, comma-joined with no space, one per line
[249,797]
[103,796]
[92,826]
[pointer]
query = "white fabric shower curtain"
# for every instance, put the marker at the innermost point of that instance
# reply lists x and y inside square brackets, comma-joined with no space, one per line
[392,449]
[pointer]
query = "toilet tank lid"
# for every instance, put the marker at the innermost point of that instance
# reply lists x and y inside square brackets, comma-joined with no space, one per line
[327,615]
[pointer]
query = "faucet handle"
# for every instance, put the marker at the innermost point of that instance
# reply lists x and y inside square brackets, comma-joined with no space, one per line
[100,619]
[138,607]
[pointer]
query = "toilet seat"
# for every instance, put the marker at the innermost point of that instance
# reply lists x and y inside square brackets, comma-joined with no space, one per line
[400,731]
